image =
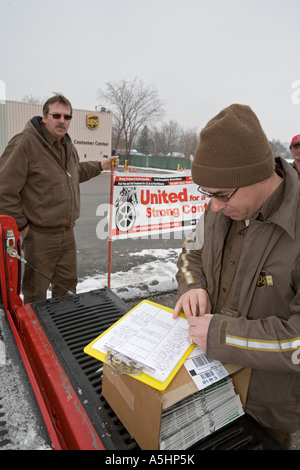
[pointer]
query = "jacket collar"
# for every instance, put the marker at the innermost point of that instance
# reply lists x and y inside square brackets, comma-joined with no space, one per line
[286,215]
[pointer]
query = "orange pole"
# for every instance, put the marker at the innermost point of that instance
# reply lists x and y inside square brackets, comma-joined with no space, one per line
[110,221]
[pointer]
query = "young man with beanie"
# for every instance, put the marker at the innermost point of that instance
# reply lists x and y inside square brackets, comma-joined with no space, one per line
[40,174]
[295,150]
[239,272]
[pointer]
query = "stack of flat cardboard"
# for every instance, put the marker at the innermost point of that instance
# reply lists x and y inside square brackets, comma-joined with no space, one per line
[198,415]
[163,419]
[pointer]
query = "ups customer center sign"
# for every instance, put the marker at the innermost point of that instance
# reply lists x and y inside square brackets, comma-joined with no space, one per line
[93,134]
[89,131]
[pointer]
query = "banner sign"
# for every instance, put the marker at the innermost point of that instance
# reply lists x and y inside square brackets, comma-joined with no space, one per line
[157,204]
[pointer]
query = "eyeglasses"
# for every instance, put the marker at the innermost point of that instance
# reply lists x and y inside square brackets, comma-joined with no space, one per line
[220,197]
[67,117]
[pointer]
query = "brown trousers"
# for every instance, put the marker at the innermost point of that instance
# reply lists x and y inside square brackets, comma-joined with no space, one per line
[53,254]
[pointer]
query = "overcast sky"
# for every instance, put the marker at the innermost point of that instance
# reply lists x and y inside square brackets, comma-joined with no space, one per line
[200,55]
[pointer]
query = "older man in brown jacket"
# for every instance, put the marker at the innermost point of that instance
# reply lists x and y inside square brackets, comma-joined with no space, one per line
[239,272]
[40,174]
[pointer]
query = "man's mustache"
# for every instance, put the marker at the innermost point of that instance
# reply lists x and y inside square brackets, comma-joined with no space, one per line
[61,126]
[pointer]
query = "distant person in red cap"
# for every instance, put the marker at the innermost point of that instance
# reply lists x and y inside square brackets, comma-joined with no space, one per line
[295,150]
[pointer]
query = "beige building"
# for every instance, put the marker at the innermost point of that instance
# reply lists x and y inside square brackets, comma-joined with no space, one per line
[90,131]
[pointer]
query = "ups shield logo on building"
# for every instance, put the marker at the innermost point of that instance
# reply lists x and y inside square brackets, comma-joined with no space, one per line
[92,121]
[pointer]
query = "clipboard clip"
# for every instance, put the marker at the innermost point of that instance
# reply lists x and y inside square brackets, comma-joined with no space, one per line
[122,364]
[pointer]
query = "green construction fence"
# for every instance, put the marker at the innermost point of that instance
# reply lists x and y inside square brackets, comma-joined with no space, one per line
[166,163]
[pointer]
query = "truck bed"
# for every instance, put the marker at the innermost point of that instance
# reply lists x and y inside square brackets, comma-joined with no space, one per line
[71,323]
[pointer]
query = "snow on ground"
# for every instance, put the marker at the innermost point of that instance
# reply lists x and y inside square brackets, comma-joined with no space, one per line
[147,278]
[21,426]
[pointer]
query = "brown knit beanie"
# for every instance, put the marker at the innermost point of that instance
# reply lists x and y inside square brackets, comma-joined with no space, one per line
[233,151]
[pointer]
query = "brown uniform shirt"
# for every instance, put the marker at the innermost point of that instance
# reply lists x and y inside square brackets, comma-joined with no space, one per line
[234,245]
[59,147]
[298,171]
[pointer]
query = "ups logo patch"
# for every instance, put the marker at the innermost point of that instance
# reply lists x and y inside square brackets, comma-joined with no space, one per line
[92,121]
[264,280]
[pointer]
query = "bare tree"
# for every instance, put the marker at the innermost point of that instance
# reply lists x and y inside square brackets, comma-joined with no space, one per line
[167,138]
[32,99]
[132,105]
[279,148]
[188,142]
[171,138]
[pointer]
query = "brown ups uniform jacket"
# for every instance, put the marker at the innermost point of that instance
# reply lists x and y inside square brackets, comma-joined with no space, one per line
[298,172]
[37,187]
[259,323]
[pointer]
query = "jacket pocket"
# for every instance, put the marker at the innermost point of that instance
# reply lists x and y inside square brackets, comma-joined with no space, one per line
[61,206]
[274,387]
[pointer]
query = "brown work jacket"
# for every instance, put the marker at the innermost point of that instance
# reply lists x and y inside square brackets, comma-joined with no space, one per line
[260,326]
[37,187]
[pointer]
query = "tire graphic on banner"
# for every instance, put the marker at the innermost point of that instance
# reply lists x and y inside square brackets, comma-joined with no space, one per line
[125,216]
[125,213]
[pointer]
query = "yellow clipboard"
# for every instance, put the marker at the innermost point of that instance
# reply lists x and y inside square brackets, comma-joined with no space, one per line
[143,376]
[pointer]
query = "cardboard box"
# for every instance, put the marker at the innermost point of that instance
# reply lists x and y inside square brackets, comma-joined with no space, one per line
[139,407]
